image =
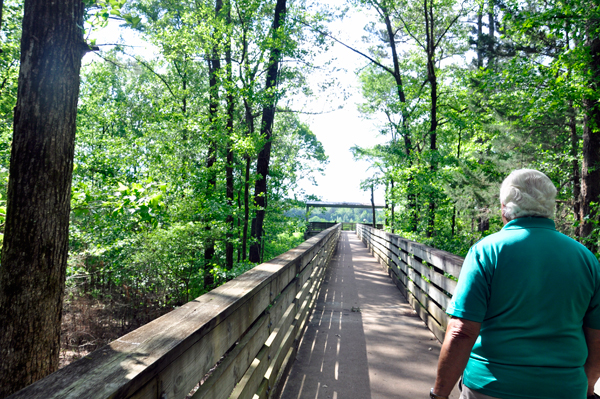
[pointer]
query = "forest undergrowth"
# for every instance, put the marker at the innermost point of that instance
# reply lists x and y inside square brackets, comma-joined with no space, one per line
[89,322]
[101,305]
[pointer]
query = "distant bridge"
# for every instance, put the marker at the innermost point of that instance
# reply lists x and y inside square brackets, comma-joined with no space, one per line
[325,204]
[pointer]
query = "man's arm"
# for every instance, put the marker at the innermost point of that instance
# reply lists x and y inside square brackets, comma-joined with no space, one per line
[592,364]
[460,337]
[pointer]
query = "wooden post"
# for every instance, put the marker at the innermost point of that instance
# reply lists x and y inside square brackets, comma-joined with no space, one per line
[373,207]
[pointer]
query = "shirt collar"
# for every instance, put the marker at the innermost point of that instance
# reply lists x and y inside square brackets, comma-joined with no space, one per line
[528,222]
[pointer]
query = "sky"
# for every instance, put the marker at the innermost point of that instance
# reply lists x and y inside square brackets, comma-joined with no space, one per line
[338,129]
[344,128]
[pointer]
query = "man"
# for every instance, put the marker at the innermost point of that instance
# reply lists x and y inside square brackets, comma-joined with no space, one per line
[526,310]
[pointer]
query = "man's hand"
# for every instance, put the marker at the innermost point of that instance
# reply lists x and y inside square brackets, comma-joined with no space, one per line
[460,337]
[592,364]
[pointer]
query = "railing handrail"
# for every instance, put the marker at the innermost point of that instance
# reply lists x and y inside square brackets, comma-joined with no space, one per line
[256,319]
[426,276]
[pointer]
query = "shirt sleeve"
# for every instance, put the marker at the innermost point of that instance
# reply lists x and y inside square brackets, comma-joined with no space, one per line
[592,316]
[470,299]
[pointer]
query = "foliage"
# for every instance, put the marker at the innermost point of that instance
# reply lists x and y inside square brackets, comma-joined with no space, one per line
[147,206]
[518,103]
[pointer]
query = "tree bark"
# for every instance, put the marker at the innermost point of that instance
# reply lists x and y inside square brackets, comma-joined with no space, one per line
[250,130]
[480,37]
[34,255]
[266,130]
[373,207]
[408,147]
[590,170]
[491,44]
[392,203]
[229,149]
[214,66]
[575,171]
[432,78]
[1,8]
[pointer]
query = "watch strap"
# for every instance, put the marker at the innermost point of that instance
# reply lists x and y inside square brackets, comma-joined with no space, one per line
[434,396]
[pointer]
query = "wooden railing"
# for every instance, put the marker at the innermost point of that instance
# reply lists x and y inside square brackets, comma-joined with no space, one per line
[426,276]
[314,228]
[238,340]
[348,226]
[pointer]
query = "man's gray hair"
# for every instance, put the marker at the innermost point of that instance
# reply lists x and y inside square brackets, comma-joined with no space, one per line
[527,192]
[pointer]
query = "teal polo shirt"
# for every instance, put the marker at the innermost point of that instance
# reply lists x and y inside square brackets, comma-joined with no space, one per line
[532,289]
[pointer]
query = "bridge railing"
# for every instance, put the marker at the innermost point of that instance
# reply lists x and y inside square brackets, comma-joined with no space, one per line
[237,341]
[350,226]
[426,276]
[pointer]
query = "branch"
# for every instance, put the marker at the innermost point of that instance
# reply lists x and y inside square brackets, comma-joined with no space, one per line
[291,111]
[450,25]
[155,73]
[108,60]
[410,33]
[347,46]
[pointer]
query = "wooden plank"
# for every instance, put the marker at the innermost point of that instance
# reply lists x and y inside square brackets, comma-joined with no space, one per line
[429,289]
[431,306]
[438,279]
[250,376]
[446,261]
[222,381]
[284,371]
[278,358]
[254,376]
[437,330]
[440,259]
[274,388]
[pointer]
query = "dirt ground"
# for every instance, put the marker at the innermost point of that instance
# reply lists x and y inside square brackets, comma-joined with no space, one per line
[89,323]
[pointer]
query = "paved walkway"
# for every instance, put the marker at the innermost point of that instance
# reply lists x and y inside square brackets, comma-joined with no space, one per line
[363,341]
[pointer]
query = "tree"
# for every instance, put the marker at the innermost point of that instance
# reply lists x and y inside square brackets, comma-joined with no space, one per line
[34,256]
[590,176]
[435,32]
[266,130]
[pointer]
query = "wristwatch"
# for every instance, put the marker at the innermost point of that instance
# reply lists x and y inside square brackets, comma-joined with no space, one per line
[434,396]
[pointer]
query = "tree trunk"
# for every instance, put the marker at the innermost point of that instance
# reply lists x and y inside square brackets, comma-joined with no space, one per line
[575,172]
[575,168]
[1,8]
[483,223]
[373,207]
[250,130]
[34,256]
[453,220]
[491,34]
[239,223]
[590,170]
[432,78]
[214,66]
[392,203]
[266,130]
[229,165]
[480,37]
[408,147]
[458,161]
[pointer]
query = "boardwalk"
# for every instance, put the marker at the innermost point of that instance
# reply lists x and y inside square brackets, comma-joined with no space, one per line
[364,341]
